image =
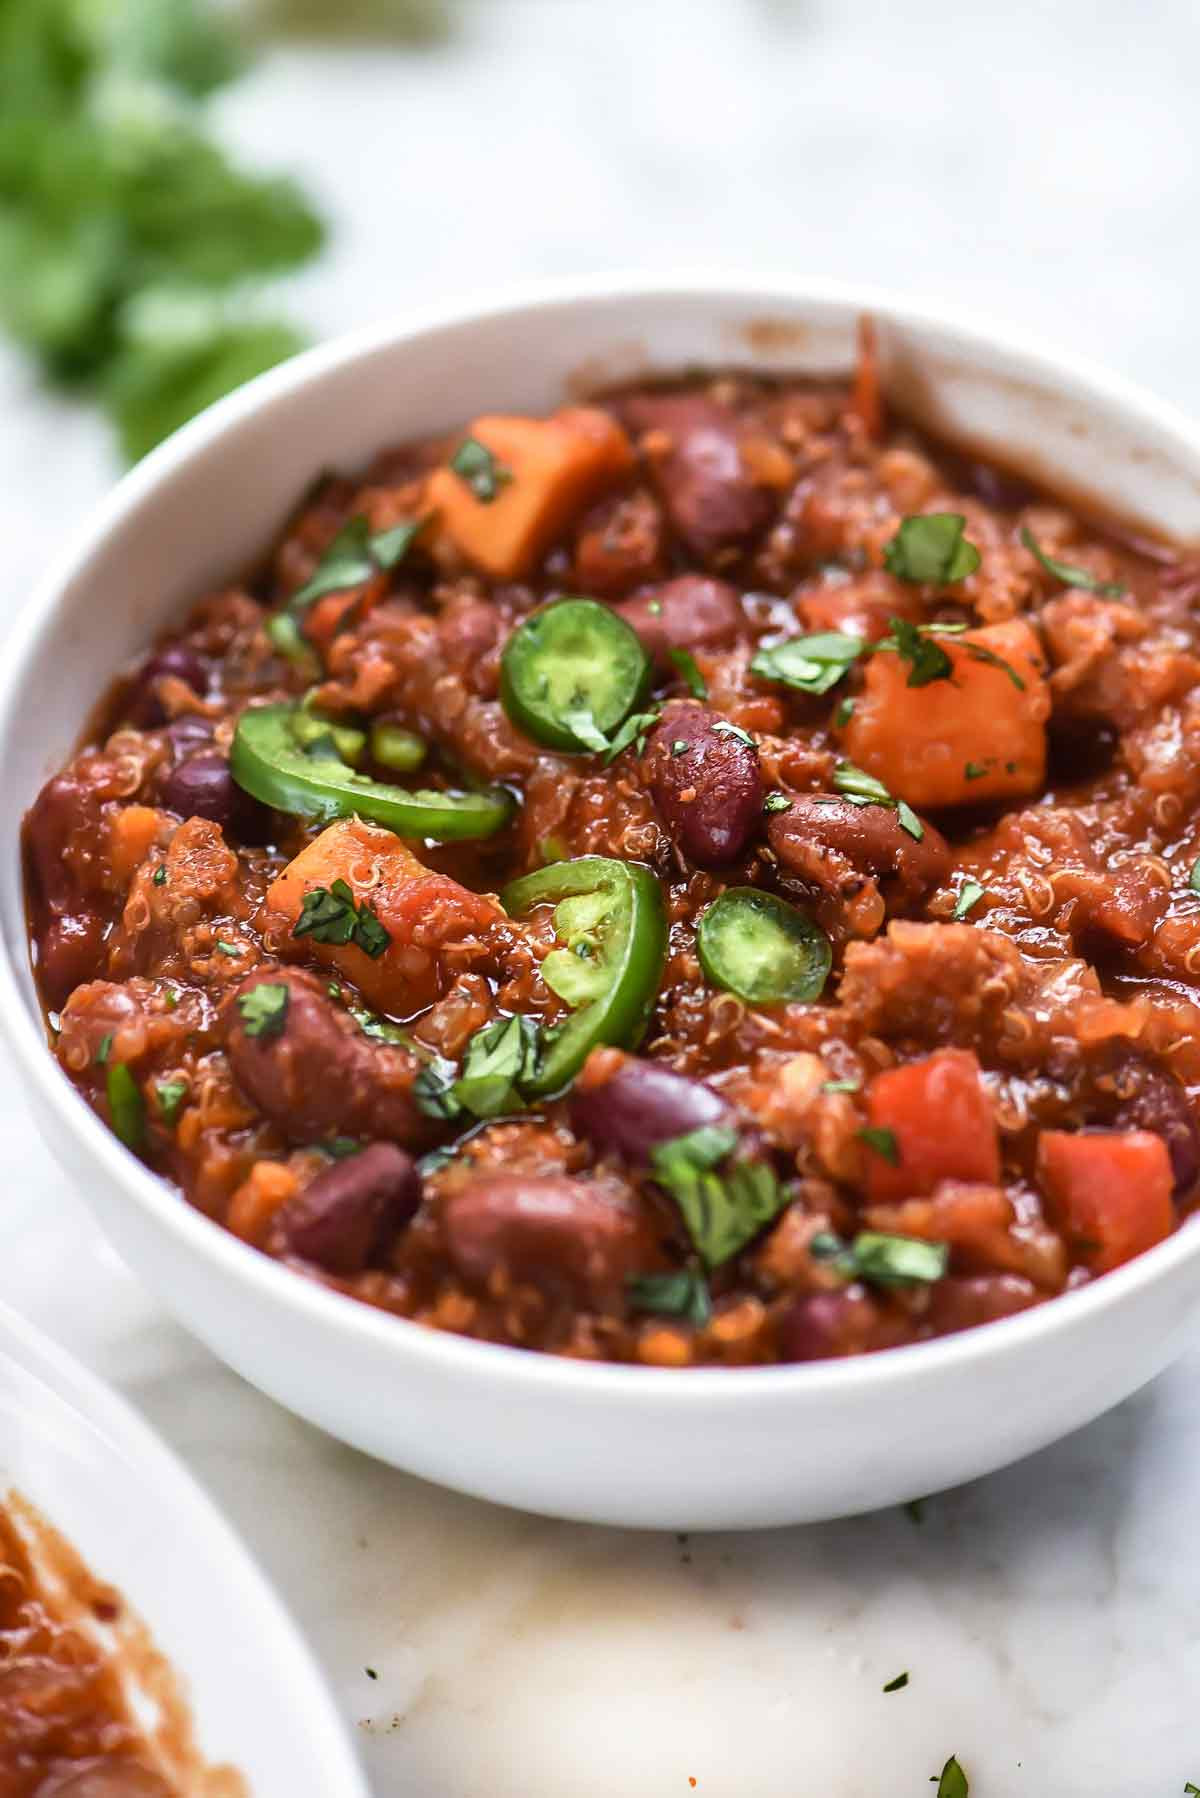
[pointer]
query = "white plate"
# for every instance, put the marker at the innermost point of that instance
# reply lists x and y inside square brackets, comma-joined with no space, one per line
[638,1446]
[99,1476]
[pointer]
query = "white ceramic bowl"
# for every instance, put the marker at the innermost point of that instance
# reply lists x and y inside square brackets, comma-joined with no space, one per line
[622,1445]
[99,1476]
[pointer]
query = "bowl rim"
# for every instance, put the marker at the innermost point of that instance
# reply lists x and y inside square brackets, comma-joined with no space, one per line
[440,1352]
[144,1455]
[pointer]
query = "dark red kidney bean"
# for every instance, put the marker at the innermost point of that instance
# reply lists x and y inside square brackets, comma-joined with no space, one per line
[825,1324]
[1152,1099]
[66,810]
[202,786]
[104,1779]
[961,1304]
[711,500]
[566,1236]
[344,1219]
[709,792]
[320,1076]
[691,612]
[619,544]
[642,1105]
[144,708]
[834,845]
[68,952]
[188,732]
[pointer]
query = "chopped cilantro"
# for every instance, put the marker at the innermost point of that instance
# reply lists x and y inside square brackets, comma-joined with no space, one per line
[225,948]
[776,802]
[969,895]
[882,1141]
[979,652]
[1069,575]
[723,728]
[883,1259]
[854,783]
[722,1211]
[974,770]
[841,1086]
[159,876]
[476,466]
[498,1058]
[433,1089]
[685,661]
[925,656]
[811,664]
[684,1294]
[264,1008]
[581,723]
[1194,877]
[353,557]
[370,1673]
[843,713]
[126,1107]
[169,1096]
[104,1048]
[953,1782]
[908,820]
[633,731]
[333,915]
[898,1684]
[930,549]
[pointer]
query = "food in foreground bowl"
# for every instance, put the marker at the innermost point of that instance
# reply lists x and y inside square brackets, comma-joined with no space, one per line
[70,1653]
[705,877]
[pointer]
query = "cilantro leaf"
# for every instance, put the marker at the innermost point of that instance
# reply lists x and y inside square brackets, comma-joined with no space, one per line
[333,915]
[581,722]
[970,893]
[927,659]
[811,664]
[633,731]
[883,1259]
[476,466]
[264,1008]
[953,1782]
[685,662]
[433,1090]
[169,1096]
[930,549]
[724,728]
[776,802]
[346,563]
[898,1684]
[856,783]
[498,1058]
[684,1294]
[979,652]
[722,1211]
[126,1107]
[882,1141]
[1069,575]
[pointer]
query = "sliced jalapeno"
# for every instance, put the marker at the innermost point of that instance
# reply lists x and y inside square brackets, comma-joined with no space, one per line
[612,923]
[268,762]
[571,673]
[761,948]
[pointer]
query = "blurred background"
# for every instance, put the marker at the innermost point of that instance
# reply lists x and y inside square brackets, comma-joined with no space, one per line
[191,188]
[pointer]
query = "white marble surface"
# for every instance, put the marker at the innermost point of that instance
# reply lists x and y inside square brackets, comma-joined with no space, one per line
[1036,160]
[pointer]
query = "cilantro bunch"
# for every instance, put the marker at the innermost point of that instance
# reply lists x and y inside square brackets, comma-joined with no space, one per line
[131,247]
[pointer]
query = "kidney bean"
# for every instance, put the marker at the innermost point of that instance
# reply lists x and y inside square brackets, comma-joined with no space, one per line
[65,814]
[640,1105]
[834,845]
[709,794]
[144,708]
[690,612]
[1158,1103]
[68,949]
[344,1218]
[566,1236]
[320,1076]
[710,498]
[188,732]
[825,1324]
[960,1304]
[619,543]
[202,786]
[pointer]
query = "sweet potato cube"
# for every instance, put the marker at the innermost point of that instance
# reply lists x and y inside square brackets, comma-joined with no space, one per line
[549,470]
[1108,1191]
[426,914]
[939,1126]
[978,734]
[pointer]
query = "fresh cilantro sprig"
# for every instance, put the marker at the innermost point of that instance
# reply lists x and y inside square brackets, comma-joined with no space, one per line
[882,1259]
[683,1294]
[725,1210]
[354,557]
[930,549]
[861,788]
[811,664]
[499,1059]
[1068,574]
[333,915]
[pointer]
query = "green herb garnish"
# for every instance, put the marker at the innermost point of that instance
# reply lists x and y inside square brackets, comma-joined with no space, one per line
[882,1141]
[898,1684]
[634,730]
[499,1057]
[126,1107]
[104,1048]
[264,1008]
[723,728]
[841,1086]
[925,656]
[684,1294]
[433,1089]
[953,1782]
[169,1096]
[811,664]
[979,652]
[970,893]
[722,1211]
[354,557]
[1068,574]
[227,948]
[930,549]
[861,788]
[1194,877]
[843,712]
[685,662]
[974,770]
[159,876]
[475,465]
[333,915]
[776,802]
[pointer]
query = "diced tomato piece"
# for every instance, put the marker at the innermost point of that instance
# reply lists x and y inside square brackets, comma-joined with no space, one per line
[978,734]
[549,470]
[938,1120]
[427,915]
[1109,1191]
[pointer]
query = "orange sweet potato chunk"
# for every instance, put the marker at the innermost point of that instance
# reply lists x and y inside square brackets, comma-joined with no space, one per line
[976,735]
[1109,1192]
[557,467]
[941,1124]
[427,915]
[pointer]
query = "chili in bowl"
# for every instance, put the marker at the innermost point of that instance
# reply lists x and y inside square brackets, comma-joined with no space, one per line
[692,876]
